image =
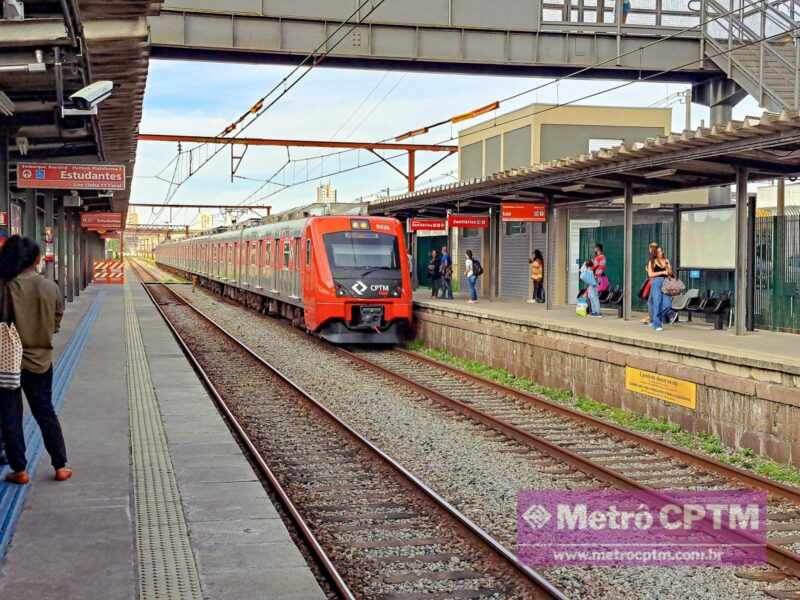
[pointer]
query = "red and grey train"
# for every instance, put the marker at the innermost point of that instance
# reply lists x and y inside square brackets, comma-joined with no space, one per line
[344,278]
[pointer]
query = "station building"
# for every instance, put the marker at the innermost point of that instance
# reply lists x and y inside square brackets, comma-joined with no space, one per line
[520,139]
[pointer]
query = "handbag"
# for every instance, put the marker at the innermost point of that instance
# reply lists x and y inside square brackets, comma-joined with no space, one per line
[10,347]
[673,286]
[582,308]
[644,291]
[603,283]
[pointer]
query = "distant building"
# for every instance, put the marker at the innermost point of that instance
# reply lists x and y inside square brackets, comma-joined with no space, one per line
[133,217]
[205,222]
[767,197]
[325,193]
[541,132]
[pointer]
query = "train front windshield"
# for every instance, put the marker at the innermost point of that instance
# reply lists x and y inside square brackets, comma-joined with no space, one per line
[364,251]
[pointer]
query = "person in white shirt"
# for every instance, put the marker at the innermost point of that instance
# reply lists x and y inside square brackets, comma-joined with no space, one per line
[472,278]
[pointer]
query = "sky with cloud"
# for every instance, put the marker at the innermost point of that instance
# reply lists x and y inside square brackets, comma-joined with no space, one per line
[330,103]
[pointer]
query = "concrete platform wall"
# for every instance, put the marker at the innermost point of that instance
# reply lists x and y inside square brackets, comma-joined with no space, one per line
[752,404]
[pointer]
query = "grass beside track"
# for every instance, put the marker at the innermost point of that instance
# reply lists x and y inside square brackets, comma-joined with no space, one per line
[706,443]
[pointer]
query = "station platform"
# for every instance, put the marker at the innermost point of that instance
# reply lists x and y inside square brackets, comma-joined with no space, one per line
[745,389]
[758,348]
[163,503]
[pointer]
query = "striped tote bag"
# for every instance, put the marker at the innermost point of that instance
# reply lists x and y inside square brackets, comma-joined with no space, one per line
[10,347]
[10,357]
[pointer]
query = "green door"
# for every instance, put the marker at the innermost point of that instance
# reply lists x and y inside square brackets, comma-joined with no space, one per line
[424,247]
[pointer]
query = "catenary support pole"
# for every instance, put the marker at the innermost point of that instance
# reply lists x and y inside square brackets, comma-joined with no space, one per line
[627,263]
[741,251]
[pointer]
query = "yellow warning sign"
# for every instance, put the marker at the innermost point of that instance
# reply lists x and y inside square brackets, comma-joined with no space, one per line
[677,391]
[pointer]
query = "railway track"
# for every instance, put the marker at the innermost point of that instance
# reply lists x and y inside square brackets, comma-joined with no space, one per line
[376,529]
[617,456]
[597,452]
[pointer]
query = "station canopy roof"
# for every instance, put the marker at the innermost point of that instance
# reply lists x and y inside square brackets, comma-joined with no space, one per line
[768,146]
[78,43]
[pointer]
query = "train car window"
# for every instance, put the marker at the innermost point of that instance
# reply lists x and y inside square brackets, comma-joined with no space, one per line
[287,253]
[362,250]
[254,254]
[308,252]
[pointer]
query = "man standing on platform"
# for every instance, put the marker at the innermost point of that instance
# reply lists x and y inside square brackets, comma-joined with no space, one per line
[446,270]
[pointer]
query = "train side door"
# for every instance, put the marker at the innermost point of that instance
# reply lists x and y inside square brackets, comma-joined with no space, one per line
[308,284]
[298,267]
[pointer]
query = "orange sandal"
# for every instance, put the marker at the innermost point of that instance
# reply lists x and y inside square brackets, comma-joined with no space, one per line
[63,474]
[20,478]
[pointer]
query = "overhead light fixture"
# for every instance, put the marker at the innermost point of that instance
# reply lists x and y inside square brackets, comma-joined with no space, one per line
[573,188]
[475,113]
[23,145]
[661,173]
[6,105]
[13,10]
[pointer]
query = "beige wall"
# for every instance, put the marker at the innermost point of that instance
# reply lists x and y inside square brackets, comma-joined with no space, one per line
[537,116]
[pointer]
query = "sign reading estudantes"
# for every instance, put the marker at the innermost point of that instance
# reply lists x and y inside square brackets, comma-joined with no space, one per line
[71,177]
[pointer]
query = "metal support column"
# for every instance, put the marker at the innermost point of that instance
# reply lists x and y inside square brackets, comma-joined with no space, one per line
[4,193]
[76,254]
[49,224]
[84,260]
[741,251]
[550,257]
[494,262]
[627,286]
[69,265]
[484,283]
[29,216]
[751,261]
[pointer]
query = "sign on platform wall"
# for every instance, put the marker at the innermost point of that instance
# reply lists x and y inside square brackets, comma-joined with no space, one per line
[468,221]
[101,221]
[523,212]
[70,177]
[420,224]
[675,391]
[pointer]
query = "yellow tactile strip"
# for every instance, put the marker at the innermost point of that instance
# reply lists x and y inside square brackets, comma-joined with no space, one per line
[166,565]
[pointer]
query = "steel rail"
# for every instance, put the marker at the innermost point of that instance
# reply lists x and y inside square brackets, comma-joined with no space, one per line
[777,556]
[472,529]
[687,456]
[319,553]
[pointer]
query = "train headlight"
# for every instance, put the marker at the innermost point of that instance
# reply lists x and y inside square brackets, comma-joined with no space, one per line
[340,291]
[398,291]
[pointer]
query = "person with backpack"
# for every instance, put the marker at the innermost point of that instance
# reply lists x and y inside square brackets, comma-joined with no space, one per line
[434,273]
[446,270]
[34,305]
[472,270]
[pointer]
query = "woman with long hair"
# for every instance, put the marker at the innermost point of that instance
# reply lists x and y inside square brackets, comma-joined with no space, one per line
[35,306]
[658,269]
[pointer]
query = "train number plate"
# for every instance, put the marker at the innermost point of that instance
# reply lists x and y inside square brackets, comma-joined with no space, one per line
[372,316]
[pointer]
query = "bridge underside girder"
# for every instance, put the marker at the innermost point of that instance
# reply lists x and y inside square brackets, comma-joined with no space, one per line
[218,36]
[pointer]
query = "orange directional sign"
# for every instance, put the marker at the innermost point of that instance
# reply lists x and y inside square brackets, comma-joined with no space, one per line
[70,177]
[523,212]
[101,221]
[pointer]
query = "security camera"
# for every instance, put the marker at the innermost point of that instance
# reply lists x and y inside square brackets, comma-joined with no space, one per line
[85,101]
[92,95]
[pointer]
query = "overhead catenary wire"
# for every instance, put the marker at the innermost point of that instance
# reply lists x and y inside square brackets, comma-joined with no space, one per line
[573,74]
[293,78]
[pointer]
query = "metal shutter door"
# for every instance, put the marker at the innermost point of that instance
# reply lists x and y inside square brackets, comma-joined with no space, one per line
[514,270]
